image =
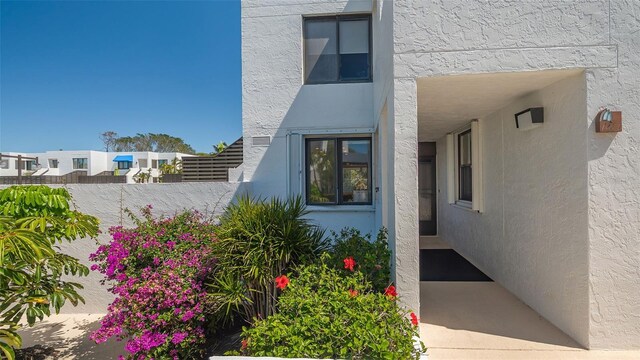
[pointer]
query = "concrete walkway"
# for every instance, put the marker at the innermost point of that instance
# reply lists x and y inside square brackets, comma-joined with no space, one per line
[69,335]
[482,320]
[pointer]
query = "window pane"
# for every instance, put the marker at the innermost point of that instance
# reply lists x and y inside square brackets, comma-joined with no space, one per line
[321,171]
[354,49]
[464,169]
[321,62]
[356,164]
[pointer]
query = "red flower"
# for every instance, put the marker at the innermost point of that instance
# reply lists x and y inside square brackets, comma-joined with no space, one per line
[391,292]
[349,263]
[414,319]
[244,344]
[353,293]
[282,281]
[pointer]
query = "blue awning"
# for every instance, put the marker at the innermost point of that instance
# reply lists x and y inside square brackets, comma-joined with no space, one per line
[123,158]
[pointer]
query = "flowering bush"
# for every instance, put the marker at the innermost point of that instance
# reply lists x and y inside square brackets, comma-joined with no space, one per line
[158,270]
[356,251]
[325,314]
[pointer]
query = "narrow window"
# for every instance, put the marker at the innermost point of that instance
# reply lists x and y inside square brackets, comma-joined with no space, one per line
[321,171]
[464,166]
[53,163]
[338,171]
[337,49]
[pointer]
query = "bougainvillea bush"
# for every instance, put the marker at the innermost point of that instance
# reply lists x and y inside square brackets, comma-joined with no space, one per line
[325,314]
[158,270]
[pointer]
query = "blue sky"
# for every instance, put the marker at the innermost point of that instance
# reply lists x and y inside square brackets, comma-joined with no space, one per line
[71,70]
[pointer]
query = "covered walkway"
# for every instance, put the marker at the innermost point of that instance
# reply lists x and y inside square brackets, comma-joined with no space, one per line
[482,320]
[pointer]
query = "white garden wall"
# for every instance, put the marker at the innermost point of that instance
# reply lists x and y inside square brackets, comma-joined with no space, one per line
[107,201]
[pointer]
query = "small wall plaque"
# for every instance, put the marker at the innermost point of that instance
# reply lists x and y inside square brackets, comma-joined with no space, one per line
[608,121]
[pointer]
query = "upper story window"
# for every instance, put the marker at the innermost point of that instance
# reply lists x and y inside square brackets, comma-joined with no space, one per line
[80,163]
[4,164]
[53,163]
[337,49]
[124,165]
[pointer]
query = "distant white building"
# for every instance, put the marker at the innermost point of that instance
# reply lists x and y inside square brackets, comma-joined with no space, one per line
[56,163]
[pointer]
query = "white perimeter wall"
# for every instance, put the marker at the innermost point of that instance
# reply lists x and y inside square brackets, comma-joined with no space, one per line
[106,202]
[532,236]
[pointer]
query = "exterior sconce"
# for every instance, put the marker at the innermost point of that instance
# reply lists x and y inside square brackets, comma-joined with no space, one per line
[530,118]
[608,121]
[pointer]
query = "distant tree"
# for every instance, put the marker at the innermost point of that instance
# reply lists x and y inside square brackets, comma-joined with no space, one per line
[109,139]
[152,142]
[217,149]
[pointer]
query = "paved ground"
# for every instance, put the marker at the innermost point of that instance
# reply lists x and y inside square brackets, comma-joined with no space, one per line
[481,320]
[459,320]
[69,334]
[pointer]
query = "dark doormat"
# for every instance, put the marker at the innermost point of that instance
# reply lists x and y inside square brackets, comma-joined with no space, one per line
[447,265]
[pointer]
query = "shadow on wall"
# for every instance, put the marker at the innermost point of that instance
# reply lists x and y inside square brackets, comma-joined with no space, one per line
[69,336]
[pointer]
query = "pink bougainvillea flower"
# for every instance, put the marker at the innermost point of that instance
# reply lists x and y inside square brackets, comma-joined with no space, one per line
[353,293]
[244,343]
[414,319]
[349,263]
[391,292]
[282,281]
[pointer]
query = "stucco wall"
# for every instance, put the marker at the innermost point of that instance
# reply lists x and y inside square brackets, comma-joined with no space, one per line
[275,102]
[614,189]
[464,37]
[106,202]
[532,235]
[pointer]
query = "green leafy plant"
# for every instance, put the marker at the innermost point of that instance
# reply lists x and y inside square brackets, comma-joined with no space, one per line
[257,241]
[372,257]
[324,314]
[174,167]
[143,177]
[34,219]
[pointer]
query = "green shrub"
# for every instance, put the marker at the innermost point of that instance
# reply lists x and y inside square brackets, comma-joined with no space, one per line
[259,240]
[372,257]
[324,314]
[33,220]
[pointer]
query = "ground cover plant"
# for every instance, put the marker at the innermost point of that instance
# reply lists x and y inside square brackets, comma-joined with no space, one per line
[258,241]
[325,312]
[34,220]
[158,271]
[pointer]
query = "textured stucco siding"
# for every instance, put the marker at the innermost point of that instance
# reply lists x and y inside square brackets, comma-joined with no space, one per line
[107,201]
[614,190]
[532,235]
[602,37]
[275,102]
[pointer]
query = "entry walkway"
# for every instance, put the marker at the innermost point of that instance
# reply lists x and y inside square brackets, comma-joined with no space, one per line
[482,320]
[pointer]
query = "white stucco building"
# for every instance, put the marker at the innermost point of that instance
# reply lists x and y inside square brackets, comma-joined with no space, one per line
[56,163]
[403,114]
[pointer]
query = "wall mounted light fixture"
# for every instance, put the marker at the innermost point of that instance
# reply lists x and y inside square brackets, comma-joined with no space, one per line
[530,118]
[608,121]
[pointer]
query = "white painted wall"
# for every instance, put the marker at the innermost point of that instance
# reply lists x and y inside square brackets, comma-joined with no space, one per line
[106,201]
[275,102]
[532,235]
[445,37]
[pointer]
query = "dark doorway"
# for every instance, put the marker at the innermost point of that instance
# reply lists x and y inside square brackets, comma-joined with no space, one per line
[427,188]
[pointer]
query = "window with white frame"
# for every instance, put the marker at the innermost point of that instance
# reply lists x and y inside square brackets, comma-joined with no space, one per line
[338,171]
[464,167]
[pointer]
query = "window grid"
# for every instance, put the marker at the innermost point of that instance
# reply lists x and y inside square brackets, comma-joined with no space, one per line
[337,19]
